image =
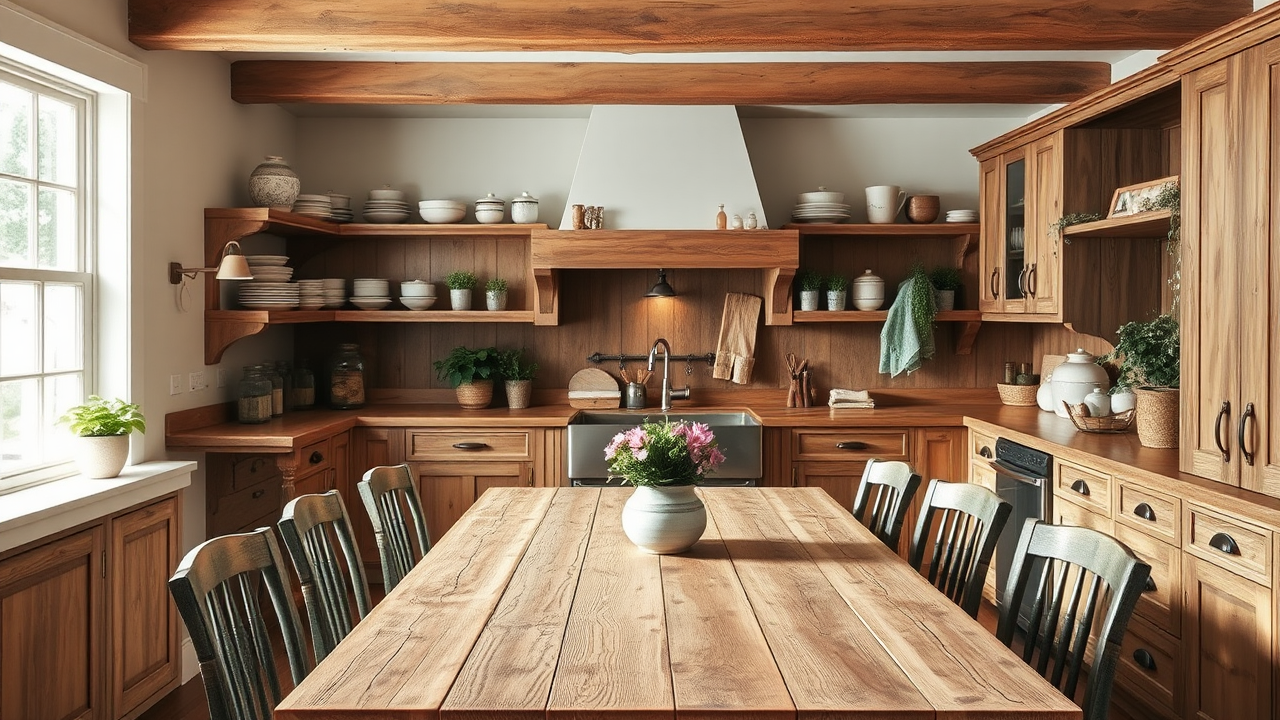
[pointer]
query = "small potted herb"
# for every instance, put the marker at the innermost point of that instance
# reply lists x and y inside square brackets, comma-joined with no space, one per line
[460,283]
[495,294]
[1150,365]
[518,375]
[470,373]
[837,291]
[810,290]
[102,430]
[946,281]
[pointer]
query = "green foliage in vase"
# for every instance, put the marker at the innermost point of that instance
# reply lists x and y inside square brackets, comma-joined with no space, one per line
[462,366]
[664,454]
[104,418]
[810,280]
[837,283]
[945,277]
[1148,353]
[513,366]
[496,285]
[460,280]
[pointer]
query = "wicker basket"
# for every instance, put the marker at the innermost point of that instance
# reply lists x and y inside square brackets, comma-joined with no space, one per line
[475,395]
[1118,423]
[1157,417]
[1020,395]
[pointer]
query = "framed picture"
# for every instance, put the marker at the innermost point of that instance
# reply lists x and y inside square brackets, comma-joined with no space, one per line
[1130,199]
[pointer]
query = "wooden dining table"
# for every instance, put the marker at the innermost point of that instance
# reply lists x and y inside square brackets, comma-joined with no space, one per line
[535,605]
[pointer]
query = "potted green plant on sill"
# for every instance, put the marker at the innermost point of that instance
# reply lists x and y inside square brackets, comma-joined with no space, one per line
[946,281]
[102,429]
[1150,365]
[518,375]
[470,373]
[495,294]
[460,283]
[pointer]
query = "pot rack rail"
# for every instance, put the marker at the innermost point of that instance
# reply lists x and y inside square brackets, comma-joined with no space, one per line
[598,358]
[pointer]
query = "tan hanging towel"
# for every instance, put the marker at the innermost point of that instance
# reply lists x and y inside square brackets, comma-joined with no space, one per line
[736,349]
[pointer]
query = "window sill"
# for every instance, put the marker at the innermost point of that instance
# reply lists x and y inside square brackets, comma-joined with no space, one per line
[42,510]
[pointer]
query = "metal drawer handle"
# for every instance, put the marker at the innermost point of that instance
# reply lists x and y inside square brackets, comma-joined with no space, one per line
[1151,585]
[316,458]
[258,493]
[1031,280]
[257,463]
[1144,659]
[985,452]
[851,445]
[995,285]
[1217,430]
[1145,512]
[1225,543]
[1244,421]
[1081,487]
[470,446]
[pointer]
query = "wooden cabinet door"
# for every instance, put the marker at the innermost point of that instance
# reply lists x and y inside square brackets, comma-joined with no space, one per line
[1044,206]
[990,297]
[51,625]
[145,661]
[1227,634]
[937,453]
[340,462]
[369,447]
[839,479]
[1212,261]
[448,489]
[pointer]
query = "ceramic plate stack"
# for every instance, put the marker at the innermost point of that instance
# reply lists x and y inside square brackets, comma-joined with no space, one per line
[962,216]
[311,294]
[821,206]
[269,295]
[334,292]
[269,268]
[370,293]
[386,206]
[341,212]
[318,206]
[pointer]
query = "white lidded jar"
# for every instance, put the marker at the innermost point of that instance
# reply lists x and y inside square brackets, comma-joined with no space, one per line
[1098,402]
[1074,379]
[868,291]
[524,209]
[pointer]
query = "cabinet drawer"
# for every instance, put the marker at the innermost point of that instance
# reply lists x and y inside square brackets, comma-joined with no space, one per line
[237,511]
[249,470]
[1065,513]
[314,457]
[1161,603]
[314,483]
[1150,667]
[480,444]
[982,447]
[1083,486]
[1150,511]
[850,444]
[1229,544]
[980,473]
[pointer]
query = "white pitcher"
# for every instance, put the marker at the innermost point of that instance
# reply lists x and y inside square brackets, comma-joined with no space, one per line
[884,202]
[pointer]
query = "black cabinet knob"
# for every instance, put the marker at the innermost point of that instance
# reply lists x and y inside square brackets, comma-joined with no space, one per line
[258,493]
[1145,512]
[1225,543]
[1150,586]
[1144,659]
[316,458]
[986,452]
[1081,487]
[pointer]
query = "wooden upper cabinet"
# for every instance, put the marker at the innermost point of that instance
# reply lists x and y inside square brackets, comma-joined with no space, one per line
[990,298]
[1042,247]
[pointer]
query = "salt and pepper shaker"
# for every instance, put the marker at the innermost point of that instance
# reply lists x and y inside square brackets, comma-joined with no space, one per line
[736,222]
[751,221]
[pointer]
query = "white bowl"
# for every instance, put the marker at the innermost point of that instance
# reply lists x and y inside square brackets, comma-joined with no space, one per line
[821,196]
[370,303]
[418,303]
[385,217]
[442,214]
[417,289]
[386,192]
[489,217]
[441,204]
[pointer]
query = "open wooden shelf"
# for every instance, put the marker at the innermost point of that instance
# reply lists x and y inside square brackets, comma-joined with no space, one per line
[506,230]
[926,230]
[816,316]
[1154,224]
[435,316]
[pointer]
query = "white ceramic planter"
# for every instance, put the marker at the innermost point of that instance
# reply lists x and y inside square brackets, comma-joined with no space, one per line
[835,299]
[664,520]
[101,457]
[495,301]
[460,299]
[809,299]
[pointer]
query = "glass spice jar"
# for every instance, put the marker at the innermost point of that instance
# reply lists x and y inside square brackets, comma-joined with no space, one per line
[346,378]
[277,388]
[254,405]
[302,396]
[286,375]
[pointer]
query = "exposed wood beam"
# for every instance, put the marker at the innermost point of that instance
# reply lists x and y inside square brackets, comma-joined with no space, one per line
[674,25]
[379,83]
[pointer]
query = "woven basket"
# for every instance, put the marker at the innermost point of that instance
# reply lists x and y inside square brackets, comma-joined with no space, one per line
[518,393]
[1118,423]
[1020,395]
[1158,417]
[475,395]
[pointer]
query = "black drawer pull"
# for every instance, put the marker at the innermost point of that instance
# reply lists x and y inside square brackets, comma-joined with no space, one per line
[1225,543]
[258,493]
[1144,659]
[1151,585]
[1217,430]
[851,445]
[1145,512]
[986,452]
[316,458]
[1081,487]
[470,445]
[1244,421]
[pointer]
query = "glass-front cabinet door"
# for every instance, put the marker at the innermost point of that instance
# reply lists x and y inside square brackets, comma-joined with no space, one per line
[1015,239]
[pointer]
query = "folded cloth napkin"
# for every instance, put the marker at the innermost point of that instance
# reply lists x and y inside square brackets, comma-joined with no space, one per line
[906,339]
[860,399]
[869,405]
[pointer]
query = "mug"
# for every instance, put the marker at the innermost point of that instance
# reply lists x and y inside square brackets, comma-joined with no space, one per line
[884,202]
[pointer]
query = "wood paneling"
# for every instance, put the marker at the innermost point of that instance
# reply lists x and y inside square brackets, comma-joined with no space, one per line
[788,83]
[751,25]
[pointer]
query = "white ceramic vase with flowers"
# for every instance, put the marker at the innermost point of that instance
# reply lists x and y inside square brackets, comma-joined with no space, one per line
[102,429]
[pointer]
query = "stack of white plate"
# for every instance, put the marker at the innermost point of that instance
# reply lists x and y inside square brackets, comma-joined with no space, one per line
[334,292]
[311,294]
[319,206]
[370,293]
[269,295]
[962,216]
[386,206]
[341,205]
[821,206]
[270,273]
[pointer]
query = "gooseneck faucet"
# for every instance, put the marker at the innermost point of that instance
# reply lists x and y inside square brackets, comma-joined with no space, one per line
[667,393]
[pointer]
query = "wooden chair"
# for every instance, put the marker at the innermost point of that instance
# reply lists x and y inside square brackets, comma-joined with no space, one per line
[309,526]
[1059,625]
[217,596]
[388,492]
[894,485]
[970,518]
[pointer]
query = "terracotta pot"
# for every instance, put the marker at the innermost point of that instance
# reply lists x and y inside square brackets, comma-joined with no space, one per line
[664,520]
[475,395]
[1157,417]
[518,393]
[101,457]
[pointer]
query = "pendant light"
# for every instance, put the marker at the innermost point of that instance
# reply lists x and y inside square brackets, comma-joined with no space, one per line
[661,289]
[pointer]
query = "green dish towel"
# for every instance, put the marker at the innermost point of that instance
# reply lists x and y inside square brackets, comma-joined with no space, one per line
[906,339]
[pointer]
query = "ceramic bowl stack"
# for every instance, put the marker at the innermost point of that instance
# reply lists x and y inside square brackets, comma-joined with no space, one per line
[311,294]
[370,293]
[417,294]
[821,206]
[490,209]
[269,268]
[341,212]
[269,295]
[317,206]
[962,216]
[386,206]
[334,291]
[442,211]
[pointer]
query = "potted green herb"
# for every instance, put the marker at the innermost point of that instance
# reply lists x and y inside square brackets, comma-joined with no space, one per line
[946,281]
[495,294]
[102,429]
[460,283]
[518,375]
[837,291]
[1149,356]
[470,373]
[810,289]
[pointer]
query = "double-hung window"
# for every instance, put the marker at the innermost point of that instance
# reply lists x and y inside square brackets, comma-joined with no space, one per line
[46,273]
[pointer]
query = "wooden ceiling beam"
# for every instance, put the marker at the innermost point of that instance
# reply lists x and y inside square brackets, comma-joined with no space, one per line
[674,25]
[381,83]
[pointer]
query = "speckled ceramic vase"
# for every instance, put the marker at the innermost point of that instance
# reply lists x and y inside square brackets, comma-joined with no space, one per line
[101,457]
[274,184]
[664,520]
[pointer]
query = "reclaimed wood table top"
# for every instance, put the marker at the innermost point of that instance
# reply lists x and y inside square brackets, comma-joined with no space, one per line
[535,605]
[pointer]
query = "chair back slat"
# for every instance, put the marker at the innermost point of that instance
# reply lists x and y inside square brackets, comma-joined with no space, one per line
[893,485]
[1082,572]
[311,526]
[395,511]
[969,520]
[216,591]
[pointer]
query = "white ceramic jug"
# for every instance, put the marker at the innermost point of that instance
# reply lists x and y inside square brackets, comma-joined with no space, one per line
[884,202]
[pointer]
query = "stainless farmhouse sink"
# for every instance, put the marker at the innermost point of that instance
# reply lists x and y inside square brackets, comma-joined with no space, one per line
[738,434]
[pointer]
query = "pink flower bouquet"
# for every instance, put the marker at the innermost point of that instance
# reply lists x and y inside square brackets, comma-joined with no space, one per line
[664,453]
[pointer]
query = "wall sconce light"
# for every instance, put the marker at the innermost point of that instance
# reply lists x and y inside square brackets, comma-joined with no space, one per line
[661,289]
[232,266]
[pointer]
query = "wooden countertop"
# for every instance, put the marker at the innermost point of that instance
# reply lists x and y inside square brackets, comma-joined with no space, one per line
[536,605]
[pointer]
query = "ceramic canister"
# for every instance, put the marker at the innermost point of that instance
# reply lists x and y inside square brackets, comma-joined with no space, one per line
[1074,379]
[868,291]
[524,209]
[274,184]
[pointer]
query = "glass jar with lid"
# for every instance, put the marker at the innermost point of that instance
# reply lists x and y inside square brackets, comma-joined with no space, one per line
[254,393]
[302,394]
[346,378]
[277,388]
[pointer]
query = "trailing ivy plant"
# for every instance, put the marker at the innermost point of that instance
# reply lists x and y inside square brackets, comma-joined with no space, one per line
[1056,228]
[1170,198]
[924,307]
[1148,353]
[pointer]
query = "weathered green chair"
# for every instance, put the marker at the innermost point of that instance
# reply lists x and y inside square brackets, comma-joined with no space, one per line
[969,520]
[887,487]
[217,596]
[389,496]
